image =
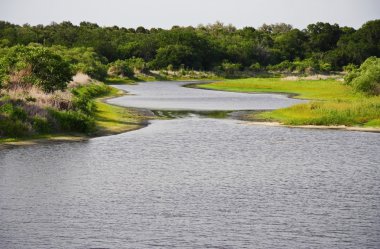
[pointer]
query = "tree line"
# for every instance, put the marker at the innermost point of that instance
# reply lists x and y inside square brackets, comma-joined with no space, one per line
[320,46]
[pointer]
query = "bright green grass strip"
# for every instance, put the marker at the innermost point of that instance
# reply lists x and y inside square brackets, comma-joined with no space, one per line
[111,119]
[339,105]
[307,89]
[356,112]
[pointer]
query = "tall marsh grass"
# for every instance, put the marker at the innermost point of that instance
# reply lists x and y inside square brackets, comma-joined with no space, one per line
[362,112]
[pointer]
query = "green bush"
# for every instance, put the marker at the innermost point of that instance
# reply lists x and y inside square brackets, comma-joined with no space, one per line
[41,124]
[83,96]
[120,68]
[73,121]
[12,128]
[367,78]
[84,60]
[35,65]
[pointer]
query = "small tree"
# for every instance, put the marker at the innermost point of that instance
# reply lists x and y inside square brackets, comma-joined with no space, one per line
[35,66]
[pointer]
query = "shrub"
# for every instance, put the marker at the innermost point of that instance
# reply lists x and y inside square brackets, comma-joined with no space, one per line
[120,68]
[83,96]
[73,121]
[256,67]
[137,64]
[12,128]
[230,68]
[41,125]
[367,78]
[37,66]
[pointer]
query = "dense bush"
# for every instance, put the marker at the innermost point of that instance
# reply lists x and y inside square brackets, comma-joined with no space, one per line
[367,78]
[120,68]
[73,121]
[25,65]
[84,95]
[84,60]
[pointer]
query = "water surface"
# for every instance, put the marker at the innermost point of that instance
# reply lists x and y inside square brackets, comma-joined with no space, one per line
[172,96]
[195,183]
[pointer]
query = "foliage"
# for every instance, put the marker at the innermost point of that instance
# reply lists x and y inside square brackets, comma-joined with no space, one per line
[120,68]
[334,103]
[363,112]
[367,78]
[23,117]
[84,60]
[84,95]
[90,47]
[73,121]
[174,55]
[34,65]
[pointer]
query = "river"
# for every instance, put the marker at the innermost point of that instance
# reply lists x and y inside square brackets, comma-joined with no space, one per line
[195,182]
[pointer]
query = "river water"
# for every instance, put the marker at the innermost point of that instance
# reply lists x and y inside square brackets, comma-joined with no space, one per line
[195,182]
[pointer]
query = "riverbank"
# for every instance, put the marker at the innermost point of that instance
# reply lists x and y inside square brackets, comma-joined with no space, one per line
[332,103]
[109,120]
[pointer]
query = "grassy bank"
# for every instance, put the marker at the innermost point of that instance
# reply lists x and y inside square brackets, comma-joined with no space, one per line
[333,103]
[111,119]
[107,119]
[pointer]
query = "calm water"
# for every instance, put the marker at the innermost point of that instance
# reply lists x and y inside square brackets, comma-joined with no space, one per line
[195,183]
[171,96]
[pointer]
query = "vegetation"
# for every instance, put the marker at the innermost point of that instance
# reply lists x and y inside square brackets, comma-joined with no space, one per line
[38,96]
[320,47]
[305,89]
[26,66]
[367,78]
[334,103]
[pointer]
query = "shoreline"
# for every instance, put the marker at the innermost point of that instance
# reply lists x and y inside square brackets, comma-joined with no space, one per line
[149,115]
[318,127]
[69,137]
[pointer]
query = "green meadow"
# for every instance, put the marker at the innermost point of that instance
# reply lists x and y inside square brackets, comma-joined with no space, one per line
[332,102]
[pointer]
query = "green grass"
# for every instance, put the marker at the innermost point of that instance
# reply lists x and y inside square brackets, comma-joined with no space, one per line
[305,89]
[333,102]
[110,119]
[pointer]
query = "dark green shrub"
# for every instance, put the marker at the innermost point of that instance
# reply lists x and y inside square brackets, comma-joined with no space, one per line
[18,114]
[41,125]
[12,128]
[73,121]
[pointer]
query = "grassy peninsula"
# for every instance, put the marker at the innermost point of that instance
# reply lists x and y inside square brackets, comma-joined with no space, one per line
[332,102]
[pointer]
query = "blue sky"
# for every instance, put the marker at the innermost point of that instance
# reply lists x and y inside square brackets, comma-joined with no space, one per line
[166,13]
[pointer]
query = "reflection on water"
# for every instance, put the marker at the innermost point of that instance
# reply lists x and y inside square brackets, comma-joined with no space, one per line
[195,183]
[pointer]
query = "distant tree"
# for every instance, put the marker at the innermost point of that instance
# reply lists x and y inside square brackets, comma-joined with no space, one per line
[291,44]
[174,55]
[323,36]
[278,28]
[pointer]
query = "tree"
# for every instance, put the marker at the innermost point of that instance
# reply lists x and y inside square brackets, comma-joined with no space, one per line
[291,44]
[323,36]
[174,55]
[25,65]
